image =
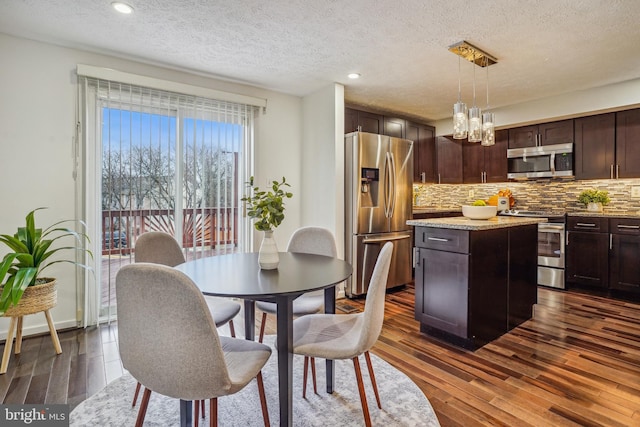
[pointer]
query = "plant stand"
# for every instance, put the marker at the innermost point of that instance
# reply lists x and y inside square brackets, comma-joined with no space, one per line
[36,299]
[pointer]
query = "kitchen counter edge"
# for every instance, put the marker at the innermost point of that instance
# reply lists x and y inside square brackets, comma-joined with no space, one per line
[462,223]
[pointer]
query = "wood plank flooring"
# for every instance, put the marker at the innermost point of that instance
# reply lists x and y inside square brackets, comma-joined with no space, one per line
[577,362]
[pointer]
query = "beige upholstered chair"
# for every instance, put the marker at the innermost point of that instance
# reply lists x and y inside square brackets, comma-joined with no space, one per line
[162,248]
[346,336]
[156,305]
[308,240]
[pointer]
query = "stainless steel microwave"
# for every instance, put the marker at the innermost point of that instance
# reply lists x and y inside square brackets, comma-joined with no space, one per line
[545,161]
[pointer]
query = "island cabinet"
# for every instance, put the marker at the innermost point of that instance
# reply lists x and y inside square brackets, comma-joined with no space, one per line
[473,286]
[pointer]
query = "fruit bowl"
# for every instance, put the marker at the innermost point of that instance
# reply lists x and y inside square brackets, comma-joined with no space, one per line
[479,212]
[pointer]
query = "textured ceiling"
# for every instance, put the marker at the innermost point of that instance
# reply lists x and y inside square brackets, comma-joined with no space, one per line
[544,47]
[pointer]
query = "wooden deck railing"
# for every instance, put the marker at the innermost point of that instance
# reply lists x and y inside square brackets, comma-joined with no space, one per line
[204,227]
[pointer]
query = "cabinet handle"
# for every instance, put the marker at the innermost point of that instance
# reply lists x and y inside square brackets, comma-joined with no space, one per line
[610,241]
[423,177]
[611,172]
[584,224]
[416,257]
[439,179]
[629,227]
[437,239]
[617,171]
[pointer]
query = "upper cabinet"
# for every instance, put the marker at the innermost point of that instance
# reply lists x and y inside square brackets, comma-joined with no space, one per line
[449,155]
[485,164]
[560,132]
[628,144]
[394,126]
[424,152]
[595,151]
[363,121]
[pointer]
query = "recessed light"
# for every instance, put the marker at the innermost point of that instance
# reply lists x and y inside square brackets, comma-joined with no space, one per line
[354,76]
[122,7]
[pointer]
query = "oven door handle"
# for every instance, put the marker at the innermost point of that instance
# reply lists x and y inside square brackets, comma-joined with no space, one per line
[543,226]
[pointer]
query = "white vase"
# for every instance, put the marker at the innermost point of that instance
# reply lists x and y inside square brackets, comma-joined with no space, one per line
[268,256]
[594,207]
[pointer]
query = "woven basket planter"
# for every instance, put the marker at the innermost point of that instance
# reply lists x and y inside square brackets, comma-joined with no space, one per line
[35,299]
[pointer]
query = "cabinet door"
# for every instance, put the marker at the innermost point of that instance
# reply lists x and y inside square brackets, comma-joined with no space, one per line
[495,158]
[350,120]
[441,290]
[556,132]
[473,162]
[521,137]
[595,147]
[370,122]
[628,144]
[395,127]
[588,259]
[424,151]
[449,154]
[624,269]
[523,274]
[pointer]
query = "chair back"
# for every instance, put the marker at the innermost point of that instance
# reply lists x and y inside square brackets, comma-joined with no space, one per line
[313,240]
[159,248]
[373,315]
[156,306]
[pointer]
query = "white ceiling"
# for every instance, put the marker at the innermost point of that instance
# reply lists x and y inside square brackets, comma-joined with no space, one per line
[543,47]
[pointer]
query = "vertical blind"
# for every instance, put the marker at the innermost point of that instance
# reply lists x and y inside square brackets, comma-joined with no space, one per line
[164,161]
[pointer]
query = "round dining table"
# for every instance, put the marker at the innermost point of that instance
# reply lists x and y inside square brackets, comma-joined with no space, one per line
[238,275]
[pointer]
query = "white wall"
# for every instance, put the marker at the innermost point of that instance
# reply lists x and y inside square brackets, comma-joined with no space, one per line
[612,97]
[37,116]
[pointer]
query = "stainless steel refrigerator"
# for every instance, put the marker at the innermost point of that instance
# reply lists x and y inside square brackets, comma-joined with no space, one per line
[378,203]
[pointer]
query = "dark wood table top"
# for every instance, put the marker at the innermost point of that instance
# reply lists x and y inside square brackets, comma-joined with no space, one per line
[239,275]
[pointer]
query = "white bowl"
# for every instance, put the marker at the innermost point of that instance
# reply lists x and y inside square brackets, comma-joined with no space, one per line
[479,212]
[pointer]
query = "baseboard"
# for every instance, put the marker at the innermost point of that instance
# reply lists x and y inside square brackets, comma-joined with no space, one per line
[42,328]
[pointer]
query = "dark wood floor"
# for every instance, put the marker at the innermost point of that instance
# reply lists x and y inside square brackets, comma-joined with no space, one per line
[577,362]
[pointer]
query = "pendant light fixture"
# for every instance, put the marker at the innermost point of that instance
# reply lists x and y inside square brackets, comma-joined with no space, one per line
[472,126]
[459,114]
[488,121]
[475,117]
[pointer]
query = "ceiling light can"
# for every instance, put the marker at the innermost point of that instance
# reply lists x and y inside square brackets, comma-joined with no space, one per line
[122,7]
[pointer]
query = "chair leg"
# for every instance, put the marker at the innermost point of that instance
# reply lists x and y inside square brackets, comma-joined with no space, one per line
[135,395]
[202,407]
[142,412]
[196,413]
[373,378]
[213,412]
[232,328]
[304,377]
[313,375]
[263,400]
[363,396]
[262,325]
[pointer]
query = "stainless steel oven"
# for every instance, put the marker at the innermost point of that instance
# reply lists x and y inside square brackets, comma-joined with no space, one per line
[551,246]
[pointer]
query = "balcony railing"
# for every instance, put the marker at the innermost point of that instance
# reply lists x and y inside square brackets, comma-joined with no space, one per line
[205,227]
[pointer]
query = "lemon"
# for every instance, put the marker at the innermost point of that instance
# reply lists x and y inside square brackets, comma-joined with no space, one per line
[479,203]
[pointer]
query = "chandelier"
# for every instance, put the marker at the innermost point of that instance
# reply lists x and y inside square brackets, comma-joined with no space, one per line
[473,124]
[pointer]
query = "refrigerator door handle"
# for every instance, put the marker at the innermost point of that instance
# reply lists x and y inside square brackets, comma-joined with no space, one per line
[385,239]
[392,203]
[387,184]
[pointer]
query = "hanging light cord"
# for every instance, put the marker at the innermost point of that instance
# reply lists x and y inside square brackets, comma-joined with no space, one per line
[473,61]
[459,87]
[486,64]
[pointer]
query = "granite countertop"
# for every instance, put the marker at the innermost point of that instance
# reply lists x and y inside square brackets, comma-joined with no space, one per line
[435,209]
[605,214]
[462,223]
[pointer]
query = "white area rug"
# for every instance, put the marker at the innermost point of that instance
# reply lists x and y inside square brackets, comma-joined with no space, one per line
[403,403]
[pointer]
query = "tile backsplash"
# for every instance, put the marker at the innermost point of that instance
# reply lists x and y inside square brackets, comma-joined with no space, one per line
[540,194]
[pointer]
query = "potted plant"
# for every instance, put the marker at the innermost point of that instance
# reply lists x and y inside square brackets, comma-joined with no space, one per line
[594,199]
[267,208]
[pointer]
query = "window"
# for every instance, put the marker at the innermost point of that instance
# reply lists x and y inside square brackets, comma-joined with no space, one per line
[163,161]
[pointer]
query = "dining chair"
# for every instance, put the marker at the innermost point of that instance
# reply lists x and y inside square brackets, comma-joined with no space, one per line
[308,240]
[347,336]
[155,349]
[158,247]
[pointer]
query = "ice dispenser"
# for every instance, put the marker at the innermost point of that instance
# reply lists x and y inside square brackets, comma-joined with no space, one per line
[369,178]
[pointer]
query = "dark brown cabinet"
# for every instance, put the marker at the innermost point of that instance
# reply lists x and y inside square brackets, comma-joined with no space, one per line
[424,152]
[395,127]
[470,295]
[628,144]
[449,158]
[363,121]
[624,254]
[485,164]
[595,149]
[560,132]
[588,251]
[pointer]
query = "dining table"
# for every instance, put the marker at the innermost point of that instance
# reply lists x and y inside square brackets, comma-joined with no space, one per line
[238,275]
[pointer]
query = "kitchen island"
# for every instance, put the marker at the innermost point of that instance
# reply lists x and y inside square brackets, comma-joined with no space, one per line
[474,279]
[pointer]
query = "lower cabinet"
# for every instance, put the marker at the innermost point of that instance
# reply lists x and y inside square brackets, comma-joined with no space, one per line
[624,255]
[474,286]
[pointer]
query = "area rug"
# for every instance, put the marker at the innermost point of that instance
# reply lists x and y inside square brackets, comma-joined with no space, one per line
[403,403]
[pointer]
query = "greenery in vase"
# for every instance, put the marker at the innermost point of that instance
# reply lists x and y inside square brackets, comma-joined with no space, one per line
[32,249]
[594,196]
[267,206]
